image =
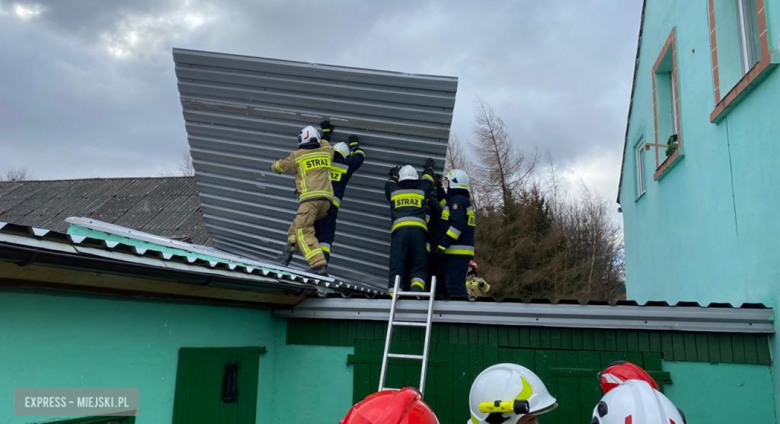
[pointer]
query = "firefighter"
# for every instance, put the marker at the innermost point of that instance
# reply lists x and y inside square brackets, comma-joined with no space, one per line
[621,371]
[509,393]
[410,199]
[347,158]
[475,286]
[456,246]
[635,401]
[434,219]
[311,165]
[391,406]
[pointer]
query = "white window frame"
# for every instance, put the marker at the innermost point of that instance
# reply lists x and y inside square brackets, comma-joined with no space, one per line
[639,152]
[673,97]
[747,53]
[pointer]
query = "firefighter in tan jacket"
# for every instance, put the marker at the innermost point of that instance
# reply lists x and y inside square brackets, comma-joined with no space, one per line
[311,166]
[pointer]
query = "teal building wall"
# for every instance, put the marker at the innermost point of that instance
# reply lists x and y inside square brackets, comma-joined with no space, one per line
[707,230]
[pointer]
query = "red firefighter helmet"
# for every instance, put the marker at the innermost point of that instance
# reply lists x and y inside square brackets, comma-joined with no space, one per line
[619,372]
[474,266]
[403,406]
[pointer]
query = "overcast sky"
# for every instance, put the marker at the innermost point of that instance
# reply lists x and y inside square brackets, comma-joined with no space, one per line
[88,86]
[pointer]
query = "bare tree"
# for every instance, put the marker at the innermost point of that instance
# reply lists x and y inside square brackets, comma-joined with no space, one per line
[184,168]
[502,167]
[17,174]
[457,158]
[533,240]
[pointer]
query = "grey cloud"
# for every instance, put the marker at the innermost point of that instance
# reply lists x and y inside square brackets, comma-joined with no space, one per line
[559,73]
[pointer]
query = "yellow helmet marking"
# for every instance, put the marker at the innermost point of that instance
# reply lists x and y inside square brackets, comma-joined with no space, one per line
[527,391]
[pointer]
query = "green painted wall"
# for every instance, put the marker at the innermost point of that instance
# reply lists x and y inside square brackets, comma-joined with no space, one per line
[706,369]
[310,384]
[69,341]
[699,388]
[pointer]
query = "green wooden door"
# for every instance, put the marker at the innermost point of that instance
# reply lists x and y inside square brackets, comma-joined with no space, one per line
[216,385]
[569,375]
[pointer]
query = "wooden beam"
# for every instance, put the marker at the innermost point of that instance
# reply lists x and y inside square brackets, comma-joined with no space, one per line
[30,275]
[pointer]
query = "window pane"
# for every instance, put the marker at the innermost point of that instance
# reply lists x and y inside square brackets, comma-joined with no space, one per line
[750,44]
[673,97]
[640,169]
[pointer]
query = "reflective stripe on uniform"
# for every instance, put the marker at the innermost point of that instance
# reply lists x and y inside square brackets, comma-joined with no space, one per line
[406,191]
[316,193]
[453,232]
[419,282]
[445,213]
[313,253]
[442,202]
[325,247]
[407,198]
[427,177]
[336,202]
[302,243]
[409,221]
[460,249]
[428,247]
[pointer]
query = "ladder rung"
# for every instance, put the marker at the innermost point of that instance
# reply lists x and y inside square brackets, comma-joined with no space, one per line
[413,294]
[410,324]
[404,356]
[389,388]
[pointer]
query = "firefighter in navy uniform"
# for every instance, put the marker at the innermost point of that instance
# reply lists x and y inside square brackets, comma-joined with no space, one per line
[456,245]
[411,198]
[434,266]
[347,158]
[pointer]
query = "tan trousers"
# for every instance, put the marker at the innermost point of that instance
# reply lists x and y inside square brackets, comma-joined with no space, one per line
[301,233]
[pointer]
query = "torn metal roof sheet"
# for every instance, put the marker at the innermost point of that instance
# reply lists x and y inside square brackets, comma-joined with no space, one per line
[243,113]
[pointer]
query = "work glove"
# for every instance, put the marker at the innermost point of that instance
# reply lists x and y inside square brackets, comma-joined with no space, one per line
[353,141]
[429,163]
[326,127]
[394,172]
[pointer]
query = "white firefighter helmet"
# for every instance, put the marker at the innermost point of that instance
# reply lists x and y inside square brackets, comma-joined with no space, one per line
[508,384]
[308,134]
[458,179]
[639,401]
[342,148]
[407,172]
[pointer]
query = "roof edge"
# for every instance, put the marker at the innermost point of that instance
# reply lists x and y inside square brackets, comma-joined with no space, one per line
[626,317]
[631,99]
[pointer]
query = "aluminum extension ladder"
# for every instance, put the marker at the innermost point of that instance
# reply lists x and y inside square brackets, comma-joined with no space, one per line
[392,322]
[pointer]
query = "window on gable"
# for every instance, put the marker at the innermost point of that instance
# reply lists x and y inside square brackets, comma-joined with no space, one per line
[666,102]
[739,45]
[640,168]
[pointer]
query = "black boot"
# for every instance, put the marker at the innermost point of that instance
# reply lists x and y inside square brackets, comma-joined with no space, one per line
[286,256]
[321,270]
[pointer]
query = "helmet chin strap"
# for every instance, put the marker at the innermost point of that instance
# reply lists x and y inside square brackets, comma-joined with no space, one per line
[496,418]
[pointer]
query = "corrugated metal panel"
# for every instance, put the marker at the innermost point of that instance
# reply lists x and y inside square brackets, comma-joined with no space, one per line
[676,318]
[242,113]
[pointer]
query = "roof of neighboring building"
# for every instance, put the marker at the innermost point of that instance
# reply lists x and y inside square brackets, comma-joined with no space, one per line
[683,316]
[243,113]
[631,99]
[166,206]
